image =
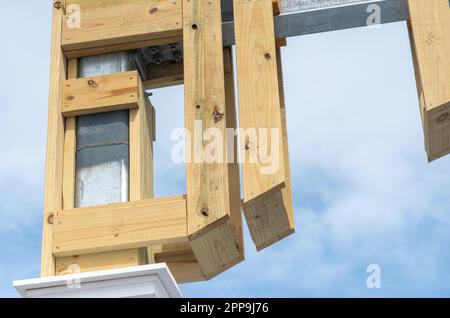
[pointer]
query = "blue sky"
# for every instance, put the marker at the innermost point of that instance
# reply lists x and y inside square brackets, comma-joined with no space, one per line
[363,190]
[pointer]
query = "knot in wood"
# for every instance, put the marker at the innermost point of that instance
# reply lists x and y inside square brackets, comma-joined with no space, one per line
[217,115]
[50,219]
[205,211]
[92,83]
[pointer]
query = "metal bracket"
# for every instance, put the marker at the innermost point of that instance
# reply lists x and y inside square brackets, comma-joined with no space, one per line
[156,55]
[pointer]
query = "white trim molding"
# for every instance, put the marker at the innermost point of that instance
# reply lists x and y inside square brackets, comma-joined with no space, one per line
[147,281]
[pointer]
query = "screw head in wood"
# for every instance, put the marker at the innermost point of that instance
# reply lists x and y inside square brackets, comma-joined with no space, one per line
[50,219]
[267,56]
[57,5]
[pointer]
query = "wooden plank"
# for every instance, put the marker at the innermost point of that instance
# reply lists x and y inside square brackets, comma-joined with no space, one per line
[164,75]
[216,250]
[207,183]
[266,208]
[430,37]
[90,95]
[89,262]
[110,23]
[141,151]
[121,47]
[98,261]
[119,226]
[142,135]
[55,144]
[186,272]
[70,145]
[287,190]
[208,197]
[233,166]
[181,261]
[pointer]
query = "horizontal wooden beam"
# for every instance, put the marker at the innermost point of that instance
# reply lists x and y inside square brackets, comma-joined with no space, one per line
[164,75]
[82,96]
[120,226]
[110,23]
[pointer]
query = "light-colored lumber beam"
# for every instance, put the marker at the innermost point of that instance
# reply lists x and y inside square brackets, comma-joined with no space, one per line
[88,262]
[70,145]
[430,37]
[97,94]
[267,205]
[121,23]
[55,143]
[142,135]
[297,18]
[181,261]
[234,177]
[164,75]
[208,198]
[119,226]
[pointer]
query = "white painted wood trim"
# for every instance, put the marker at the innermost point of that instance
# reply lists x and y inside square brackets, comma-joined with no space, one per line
[147,281]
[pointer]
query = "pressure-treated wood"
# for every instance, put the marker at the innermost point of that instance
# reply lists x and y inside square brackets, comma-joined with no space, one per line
[207,175]
[70,145]
[207,183]
[266,206]
[55,144]
[180,257]
[142,135]
[186,272]
[181,260]
[234,179]
[100,261]
[430,28]
[107,26]
[87,262]
[287,190]
[83,96]
[216,250]
[164,75]
[119,226]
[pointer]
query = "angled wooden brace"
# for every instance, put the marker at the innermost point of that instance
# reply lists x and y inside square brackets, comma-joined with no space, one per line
[265,162]
[208,181]
[430,38]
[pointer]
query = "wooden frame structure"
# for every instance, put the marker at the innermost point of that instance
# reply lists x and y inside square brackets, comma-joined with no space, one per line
[199,234]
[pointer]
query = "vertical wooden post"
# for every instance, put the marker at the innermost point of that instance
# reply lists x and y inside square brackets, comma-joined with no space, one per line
[208,198]
[55,142]
[70,145]
[233,166]
[141,160]
[267,203]
[287,191]
[430,37]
